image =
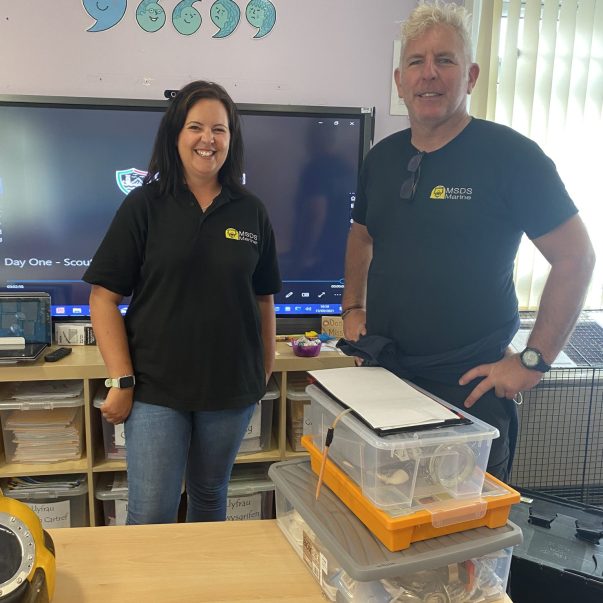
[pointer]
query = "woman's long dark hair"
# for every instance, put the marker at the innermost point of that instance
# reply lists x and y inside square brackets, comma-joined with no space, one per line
[165,165]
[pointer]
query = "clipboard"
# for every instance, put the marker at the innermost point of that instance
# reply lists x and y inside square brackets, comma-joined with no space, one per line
[453,417]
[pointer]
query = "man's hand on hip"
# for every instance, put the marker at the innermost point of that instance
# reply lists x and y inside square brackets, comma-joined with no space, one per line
[508,377]
[354,327]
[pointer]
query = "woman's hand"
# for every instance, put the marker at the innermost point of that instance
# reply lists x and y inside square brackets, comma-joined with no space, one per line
[118,405]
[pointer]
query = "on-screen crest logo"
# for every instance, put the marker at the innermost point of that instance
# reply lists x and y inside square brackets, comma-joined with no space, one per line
[128,180]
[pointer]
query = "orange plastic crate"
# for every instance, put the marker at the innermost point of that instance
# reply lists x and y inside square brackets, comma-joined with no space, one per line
[437,519]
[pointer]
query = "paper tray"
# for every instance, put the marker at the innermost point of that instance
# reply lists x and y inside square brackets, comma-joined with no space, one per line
[433,520]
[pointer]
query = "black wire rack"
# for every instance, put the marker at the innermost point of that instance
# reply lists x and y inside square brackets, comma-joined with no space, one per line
[560,443]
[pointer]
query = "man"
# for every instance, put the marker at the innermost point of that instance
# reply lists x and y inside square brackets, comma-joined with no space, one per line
[440,212]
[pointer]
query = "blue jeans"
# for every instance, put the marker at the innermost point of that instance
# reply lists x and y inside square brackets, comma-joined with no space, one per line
[163,445]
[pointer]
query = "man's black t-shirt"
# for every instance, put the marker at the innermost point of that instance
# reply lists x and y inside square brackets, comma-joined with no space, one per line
[442,271]
[193,323]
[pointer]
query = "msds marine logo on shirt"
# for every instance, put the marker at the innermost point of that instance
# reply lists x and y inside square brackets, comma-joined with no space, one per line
[241,235]
[451,192]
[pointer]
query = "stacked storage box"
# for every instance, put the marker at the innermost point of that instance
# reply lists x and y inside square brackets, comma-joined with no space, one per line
[59,502]
[297,419]
[351,564]
[112,491]
[259,431]
[114,438]
[410,516]
[42,421]
[250,494]
[429,517]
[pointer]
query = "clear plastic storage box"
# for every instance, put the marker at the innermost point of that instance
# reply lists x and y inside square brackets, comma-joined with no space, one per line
[112,491]
[42,422]
[395,470]
[297,401]
[351,564]
[114,438]
[59,501]
[429,518]
[250,494]
[259,431]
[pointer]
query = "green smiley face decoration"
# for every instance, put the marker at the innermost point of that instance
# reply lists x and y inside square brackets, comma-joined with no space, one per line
[185,18]
[150,16]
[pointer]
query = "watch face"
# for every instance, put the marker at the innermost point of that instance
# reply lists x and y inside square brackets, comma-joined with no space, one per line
[126,382]
[530,358]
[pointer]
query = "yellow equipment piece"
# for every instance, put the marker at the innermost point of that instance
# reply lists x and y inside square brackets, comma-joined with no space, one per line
[27,560]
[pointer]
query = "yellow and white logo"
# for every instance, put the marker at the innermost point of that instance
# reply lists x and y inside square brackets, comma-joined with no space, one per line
[241,235]
[441,192]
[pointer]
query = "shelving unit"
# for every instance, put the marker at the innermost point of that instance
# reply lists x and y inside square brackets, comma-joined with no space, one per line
[85,363]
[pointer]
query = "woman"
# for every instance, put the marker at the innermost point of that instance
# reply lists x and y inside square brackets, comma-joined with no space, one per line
[197,253]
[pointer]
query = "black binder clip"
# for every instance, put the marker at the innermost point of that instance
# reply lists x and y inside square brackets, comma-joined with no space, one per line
[591,534]
[543,520]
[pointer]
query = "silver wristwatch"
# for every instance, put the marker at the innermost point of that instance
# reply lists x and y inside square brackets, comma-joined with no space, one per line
[532,359]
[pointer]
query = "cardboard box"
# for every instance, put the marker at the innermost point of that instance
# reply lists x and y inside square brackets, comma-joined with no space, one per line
[74,333]
[332,325]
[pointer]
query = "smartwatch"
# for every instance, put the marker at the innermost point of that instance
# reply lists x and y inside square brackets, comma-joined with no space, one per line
[121,382]
[531,358]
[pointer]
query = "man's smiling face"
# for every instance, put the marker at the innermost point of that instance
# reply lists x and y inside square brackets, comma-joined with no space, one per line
[435,77]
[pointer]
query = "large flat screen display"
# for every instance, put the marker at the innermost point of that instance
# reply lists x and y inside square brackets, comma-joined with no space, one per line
[67,164]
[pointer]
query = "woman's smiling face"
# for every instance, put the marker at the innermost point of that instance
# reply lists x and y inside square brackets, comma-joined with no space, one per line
[204,141]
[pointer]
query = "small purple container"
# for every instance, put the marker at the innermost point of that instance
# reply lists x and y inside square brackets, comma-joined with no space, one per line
[306,351]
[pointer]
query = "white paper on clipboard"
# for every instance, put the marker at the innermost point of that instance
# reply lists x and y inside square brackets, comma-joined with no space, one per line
[381,399]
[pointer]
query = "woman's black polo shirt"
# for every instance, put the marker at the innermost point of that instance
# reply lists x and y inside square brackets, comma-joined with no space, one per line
[193,323]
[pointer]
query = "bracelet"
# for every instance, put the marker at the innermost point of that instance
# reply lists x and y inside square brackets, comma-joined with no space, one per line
[351,309]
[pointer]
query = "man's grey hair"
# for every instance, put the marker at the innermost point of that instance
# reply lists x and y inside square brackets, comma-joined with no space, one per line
[437,12]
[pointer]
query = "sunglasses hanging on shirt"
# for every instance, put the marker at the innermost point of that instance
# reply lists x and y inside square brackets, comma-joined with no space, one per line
[409,186]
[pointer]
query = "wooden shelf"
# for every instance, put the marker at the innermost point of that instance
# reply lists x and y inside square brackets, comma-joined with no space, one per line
[287,361]
[85,363]
[104,465]
[265,456]
[292,454]
[59,468]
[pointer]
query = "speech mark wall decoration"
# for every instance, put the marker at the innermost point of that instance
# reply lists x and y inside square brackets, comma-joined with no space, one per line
[261,14]
[226,15]
[150,15]
[186,18]
[107,13]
